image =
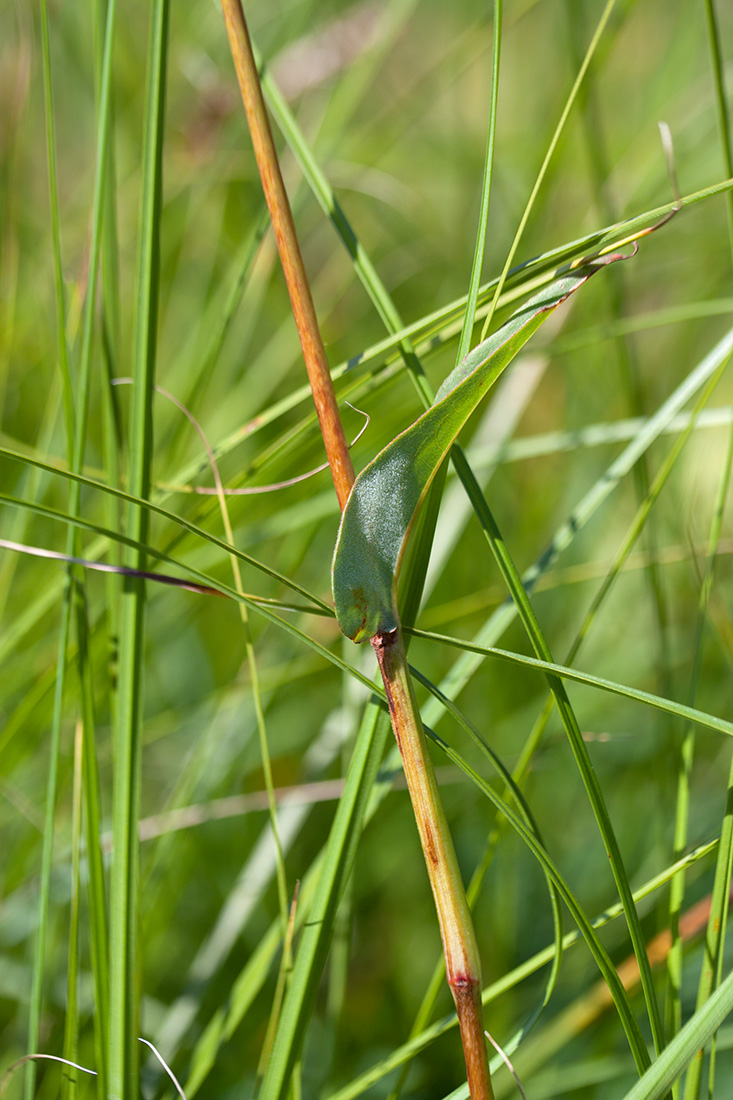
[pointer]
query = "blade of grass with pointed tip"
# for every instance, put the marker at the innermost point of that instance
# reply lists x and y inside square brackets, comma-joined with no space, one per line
[381,508]
[493,628]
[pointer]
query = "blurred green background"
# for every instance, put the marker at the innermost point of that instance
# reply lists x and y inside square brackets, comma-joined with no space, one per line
[393,98]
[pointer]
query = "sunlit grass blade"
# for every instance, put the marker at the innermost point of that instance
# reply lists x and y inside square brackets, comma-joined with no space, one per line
[539,179]
[64,626]
[76,447]
[337,863]
[71,1023]
[721,104]
[668,706]
[464,341]
[98,926]
[466,665]
[711,971]
[124,912]
[627,361]
[675,1058]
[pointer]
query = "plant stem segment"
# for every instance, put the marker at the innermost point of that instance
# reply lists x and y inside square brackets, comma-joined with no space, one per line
[463,968]
[337,448]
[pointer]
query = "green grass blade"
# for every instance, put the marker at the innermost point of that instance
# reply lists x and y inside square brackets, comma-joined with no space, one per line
[147,505]
[123,1026]
[314,941]
[99,942]
[61,342]
[711,971]
[36,996]
[71,1022]
[712,963]
[717,924]
[721,105]
[667,706]
[675,1058]
[570,101]
[466,665]
[77,457]
[626,359]
[464,341]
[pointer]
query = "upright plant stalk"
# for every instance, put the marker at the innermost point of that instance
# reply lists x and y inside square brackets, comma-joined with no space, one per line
[712,965]
[459,942]
[301,300]
[123,1058]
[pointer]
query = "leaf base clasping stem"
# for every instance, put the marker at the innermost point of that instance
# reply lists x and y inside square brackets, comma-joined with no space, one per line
[463,968]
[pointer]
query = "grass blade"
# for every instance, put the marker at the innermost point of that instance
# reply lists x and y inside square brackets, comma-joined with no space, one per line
[123,1022]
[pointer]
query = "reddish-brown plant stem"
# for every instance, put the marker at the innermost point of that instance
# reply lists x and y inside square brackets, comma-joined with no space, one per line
[337,449]
[462,963]
[456,926]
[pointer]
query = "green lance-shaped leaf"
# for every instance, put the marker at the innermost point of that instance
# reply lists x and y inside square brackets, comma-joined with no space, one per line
[386,495]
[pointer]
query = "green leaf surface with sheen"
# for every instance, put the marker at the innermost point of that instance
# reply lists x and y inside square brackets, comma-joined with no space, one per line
[385,498]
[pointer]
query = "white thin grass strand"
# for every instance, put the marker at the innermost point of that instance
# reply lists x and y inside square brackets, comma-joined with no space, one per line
[166,1067]
[507,1063]
[219,489]
[36,1058]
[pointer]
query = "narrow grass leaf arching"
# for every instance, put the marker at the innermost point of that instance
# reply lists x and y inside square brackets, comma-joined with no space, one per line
[384,500]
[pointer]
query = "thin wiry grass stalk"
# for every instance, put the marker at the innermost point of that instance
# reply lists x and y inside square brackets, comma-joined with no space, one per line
[577,84]
[711,971]
[71,1023]
[36,995]
[281,878]
[462,962]
[627,360]
[76,442]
